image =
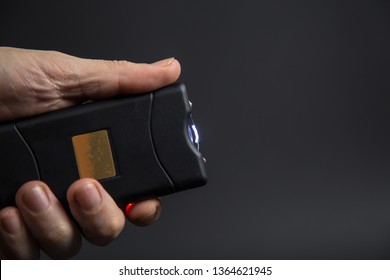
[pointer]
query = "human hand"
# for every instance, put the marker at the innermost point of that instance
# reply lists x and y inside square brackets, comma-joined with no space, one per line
[35,82]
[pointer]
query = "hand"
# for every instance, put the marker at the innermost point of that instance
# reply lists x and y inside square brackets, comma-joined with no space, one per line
[35,82]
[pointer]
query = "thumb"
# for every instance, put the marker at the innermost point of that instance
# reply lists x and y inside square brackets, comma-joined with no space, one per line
[97,79]
[34,82]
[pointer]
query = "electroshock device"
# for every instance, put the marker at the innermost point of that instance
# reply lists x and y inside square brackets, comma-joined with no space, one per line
[137,146]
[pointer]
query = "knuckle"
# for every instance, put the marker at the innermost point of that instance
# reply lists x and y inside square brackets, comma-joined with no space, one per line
[107,231]
[121,63]
[60,242]
[61,233]
[112,228]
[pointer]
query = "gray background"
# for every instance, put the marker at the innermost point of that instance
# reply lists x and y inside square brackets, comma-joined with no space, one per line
[292,103]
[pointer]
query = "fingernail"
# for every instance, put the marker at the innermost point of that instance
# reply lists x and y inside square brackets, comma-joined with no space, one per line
[88,197]
[11,223]
[36,199]
[149,219]
[164,62]
[128,208]
[157,213]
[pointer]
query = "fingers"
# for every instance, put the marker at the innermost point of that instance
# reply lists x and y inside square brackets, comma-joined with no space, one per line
[16,241]
[47,221]
[144,213]
[40,222]
[96,212]
[99,217]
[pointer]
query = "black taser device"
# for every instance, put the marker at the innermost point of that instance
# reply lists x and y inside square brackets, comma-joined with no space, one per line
[137,146]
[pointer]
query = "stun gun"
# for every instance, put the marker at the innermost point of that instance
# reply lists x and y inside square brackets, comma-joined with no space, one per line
[137,146]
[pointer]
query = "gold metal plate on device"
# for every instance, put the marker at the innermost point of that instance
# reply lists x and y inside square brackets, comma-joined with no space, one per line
[93,155]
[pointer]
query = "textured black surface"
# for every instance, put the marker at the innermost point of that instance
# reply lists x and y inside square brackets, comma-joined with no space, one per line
[292,102]
[126,120]
[174,149]
[17,163]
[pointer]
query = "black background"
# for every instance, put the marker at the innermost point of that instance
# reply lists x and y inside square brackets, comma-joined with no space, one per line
[292,103]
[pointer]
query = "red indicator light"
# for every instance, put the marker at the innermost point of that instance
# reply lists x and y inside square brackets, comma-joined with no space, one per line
[128,208]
